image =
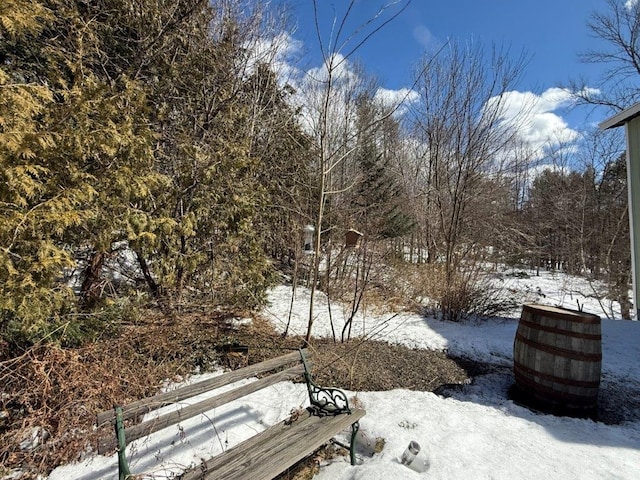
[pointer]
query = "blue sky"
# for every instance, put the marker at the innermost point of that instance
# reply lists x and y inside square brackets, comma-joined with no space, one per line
[551,32]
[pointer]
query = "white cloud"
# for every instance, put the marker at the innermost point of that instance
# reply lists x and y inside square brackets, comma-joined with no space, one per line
[537,170]
[423,36]
[396,99]
[279,53]
[536,116]
[347,83]
[629,4]
[390,98]
[338,66]
[554,98]
[311,91]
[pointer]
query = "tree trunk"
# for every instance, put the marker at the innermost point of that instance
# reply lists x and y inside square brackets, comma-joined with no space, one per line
[92,285]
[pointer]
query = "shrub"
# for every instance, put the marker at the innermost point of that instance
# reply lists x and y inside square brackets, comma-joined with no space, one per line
[467,293]
[70,328]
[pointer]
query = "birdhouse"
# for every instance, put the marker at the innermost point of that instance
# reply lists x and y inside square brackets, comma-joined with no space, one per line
[308,238]
[351,238]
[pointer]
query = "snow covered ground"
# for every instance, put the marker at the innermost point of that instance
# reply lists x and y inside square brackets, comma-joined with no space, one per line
[475,432]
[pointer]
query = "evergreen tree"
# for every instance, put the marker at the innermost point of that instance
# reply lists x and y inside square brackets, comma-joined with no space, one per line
[285,154]
[379,196]
[70,142]
[209,243]
[34,216]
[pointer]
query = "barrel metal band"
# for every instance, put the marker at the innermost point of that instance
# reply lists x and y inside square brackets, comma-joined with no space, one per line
[555,395]
[518,368]
[561,331]
[563,352]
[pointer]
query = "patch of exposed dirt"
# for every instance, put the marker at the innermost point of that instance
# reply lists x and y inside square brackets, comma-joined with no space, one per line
[379,366]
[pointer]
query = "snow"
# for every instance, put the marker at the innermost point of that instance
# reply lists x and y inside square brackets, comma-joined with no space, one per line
[472,432]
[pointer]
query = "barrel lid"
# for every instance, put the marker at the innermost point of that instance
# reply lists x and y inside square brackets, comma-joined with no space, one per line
[561,312]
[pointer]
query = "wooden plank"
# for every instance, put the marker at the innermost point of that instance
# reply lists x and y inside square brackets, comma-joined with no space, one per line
[264,456]
[149,404]
[107,444]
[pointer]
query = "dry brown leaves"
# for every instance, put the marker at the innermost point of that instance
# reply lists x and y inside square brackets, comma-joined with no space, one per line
[56,393]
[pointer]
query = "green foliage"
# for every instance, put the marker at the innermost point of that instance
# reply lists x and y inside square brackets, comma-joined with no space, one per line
[205,241]
[379,197]
[35,209]
[285,154]
[21,16]
[68,148]
[70,328]
[139,127]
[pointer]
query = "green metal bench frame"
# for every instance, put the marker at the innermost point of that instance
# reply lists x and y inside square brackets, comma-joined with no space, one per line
[323,402]
[329,401]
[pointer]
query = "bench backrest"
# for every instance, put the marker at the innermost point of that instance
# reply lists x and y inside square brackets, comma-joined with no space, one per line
[146,405]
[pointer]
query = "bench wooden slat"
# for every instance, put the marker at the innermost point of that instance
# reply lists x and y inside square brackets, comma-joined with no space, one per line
[266,455]
[108,444]
[147,405]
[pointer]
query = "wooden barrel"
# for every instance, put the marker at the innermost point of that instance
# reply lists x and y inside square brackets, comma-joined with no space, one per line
[557,360]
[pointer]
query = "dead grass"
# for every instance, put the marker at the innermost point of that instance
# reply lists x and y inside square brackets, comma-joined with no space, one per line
[60,391]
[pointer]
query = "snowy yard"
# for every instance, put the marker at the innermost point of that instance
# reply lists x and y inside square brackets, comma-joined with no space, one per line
[473,432]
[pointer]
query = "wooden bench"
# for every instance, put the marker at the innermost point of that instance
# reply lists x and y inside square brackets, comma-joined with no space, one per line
[262,456]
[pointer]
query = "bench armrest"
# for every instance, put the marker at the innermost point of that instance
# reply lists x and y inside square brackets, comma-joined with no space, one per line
[324,401]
